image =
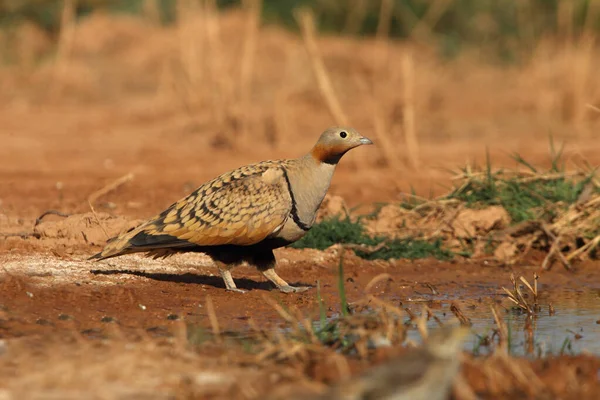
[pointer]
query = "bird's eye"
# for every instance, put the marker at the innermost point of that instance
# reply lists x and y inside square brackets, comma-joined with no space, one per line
[343,134]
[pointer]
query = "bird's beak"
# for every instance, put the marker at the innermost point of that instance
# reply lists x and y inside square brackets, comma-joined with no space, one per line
[364,140]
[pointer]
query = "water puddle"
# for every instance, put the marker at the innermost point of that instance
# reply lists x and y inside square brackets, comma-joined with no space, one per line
[572,329]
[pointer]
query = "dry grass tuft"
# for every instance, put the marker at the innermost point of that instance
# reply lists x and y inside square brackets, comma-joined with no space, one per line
[503,214]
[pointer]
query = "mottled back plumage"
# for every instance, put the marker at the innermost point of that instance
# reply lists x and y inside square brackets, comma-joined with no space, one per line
[244,214]
[241,207]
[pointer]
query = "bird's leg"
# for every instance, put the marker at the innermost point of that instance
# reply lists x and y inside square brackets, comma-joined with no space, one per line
[225,272]
[265,262]
[228,279]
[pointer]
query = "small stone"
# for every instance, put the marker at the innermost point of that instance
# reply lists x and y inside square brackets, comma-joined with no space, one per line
[173,317]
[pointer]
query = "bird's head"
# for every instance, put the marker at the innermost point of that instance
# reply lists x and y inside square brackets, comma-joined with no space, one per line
[335,142]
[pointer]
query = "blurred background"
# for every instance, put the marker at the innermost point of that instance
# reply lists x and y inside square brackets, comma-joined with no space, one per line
[175,92]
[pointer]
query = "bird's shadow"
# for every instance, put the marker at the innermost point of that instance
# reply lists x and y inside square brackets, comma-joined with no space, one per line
[214,281]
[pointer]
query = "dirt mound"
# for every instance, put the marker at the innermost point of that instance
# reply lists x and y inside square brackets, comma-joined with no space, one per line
[470,223]
[86,228]
[332,206]
[395,221]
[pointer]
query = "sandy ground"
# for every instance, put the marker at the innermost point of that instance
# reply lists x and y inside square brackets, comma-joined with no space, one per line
[85,319]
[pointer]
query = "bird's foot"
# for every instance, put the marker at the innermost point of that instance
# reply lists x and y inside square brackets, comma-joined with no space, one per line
[293,289]
[235,290]
[282,285]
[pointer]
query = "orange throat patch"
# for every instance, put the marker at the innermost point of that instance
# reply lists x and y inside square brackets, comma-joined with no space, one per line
[328,154]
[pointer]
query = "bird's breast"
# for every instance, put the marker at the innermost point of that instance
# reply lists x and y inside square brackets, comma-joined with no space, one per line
[291,231]
[309,187]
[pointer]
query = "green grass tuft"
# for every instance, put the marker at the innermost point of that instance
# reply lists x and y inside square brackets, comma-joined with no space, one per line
[344,231]
[334,231]
[408,248]
[342,288]
[524,199]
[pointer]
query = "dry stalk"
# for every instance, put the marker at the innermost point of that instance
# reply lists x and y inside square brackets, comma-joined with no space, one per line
[212,317]
[423,27]
[591,15]
[529,336]
[525,27]
[280,117]
[457,311]
[98,220]
[430,314]
[66,39]
[295,319]
[461,389]
[554,250]
[110,187]
[502,331]
[586,167]
[220,82]
[180,333]
[307,324]
[385,17]
[381,277]
[355,16]
[517,297]
[523,374]
[533,289]
[188,42]
[151,11]
[586,194]
[580,77]
[564,18]
[410,134]
[280,310]
[548,177]
[422,30]
[103,191]
[421,323]
[585,249]
[342,366]
[306,21]
[364,248]
[387,319]
[548,260]
[253,10]
[387,146]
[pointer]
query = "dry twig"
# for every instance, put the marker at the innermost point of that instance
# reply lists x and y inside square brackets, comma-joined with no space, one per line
[410,134]
[306,21]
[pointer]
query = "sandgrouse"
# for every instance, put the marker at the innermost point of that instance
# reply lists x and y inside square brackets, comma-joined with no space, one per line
[244,214]
[425,373]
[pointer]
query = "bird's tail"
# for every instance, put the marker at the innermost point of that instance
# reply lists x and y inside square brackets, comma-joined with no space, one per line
[119,245]
[148,238]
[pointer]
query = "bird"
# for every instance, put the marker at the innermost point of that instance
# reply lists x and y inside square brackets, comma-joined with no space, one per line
[244,214]
[423,373]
